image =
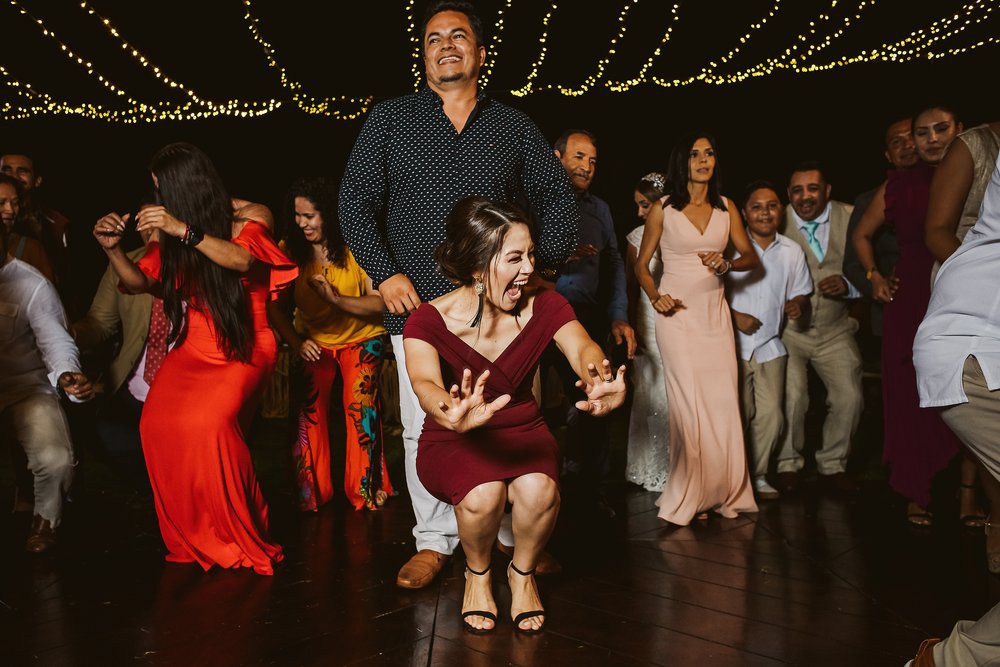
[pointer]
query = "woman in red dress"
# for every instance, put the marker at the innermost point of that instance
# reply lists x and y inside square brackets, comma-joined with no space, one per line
[215,277]
[485,444]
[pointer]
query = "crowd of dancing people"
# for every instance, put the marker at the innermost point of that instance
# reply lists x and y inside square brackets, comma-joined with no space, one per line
[494,286]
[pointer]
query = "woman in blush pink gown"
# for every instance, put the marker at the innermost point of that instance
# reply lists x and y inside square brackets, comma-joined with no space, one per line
[692,226]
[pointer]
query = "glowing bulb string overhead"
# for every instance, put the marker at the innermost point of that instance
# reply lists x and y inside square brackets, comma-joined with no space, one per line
[957,32]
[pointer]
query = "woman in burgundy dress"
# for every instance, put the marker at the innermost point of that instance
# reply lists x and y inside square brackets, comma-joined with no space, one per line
[216,277]
[484,443]
[917,444]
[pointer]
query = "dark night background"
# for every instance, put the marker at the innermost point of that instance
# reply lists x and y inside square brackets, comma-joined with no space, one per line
[763,125]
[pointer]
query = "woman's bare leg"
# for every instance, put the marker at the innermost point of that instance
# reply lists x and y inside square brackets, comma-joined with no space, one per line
[535,498]
[478,518]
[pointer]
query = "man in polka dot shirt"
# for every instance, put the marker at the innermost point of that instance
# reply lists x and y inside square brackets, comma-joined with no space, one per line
[416,156]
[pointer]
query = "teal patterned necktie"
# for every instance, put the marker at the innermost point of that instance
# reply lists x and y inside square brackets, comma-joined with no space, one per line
[810,230]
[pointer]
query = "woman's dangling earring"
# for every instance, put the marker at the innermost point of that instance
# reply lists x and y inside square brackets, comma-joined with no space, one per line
[480,289]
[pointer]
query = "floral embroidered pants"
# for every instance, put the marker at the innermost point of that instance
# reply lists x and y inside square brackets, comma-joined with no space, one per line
[364,472]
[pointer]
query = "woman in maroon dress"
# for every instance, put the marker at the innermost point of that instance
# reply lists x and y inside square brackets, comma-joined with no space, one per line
[484,443]
[917,444]
[216,277]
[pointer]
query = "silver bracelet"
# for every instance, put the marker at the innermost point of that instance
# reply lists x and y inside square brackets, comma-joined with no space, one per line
[729,266]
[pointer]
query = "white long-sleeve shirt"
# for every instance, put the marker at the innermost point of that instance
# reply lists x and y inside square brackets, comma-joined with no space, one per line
[782,275]
[35,346]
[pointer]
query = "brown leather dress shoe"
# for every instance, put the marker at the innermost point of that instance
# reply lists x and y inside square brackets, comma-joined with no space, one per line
[421,569]
[42,536]
[925,654]
[546,566]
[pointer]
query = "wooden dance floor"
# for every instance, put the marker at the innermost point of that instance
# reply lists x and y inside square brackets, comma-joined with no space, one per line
[812,580]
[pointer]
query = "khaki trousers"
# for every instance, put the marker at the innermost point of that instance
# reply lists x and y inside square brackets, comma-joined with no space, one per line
[837,361]
[40,428]
[762,392]
[977,424]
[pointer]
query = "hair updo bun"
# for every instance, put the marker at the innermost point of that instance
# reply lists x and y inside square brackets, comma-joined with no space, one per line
[474,233]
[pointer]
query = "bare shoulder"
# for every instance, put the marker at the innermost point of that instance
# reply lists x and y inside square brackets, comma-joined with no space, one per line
[244,211]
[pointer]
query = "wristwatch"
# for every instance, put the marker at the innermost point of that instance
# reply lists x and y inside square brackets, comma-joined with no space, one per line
[870,273]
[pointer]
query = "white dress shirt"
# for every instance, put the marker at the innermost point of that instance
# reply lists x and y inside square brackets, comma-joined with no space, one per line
[963,317]
[782,274]
[35,346]
[823,236]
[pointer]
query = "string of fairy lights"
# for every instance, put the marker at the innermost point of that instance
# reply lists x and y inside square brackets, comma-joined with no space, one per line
[803,55]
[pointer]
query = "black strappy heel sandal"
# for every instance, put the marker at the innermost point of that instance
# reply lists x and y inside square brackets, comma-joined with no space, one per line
[485,614]
[525,614]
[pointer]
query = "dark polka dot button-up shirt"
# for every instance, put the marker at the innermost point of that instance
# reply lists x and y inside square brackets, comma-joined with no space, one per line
[409,167]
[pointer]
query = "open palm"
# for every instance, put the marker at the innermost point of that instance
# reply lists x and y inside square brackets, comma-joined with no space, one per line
[468,408]
[603,395]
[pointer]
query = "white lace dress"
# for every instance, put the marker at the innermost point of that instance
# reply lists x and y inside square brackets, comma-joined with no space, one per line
[648,435]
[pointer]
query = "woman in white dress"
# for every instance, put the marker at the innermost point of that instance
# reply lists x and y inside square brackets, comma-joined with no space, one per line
[648,435]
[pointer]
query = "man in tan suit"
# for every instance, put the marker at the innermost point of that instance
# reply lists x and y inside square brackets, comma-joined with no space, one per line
[826,340]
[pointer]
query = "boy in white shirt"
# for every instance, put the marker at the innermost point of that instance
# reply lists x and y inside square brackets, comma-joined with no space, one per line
[760,301]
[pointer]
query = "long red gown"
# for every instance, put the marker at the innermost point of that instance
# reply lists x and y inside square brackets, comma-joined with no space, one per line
[516,441]
[208,503]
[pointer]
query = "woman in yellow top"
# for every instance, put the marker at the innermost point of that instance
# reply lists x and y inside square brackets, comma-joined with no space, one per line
[337,327]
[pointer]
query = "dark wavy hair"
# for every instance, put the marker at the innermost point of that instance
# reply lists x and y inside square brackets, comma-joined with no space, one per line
[678,173]
[190,188]
[459,6]
[322,194]
[474,234]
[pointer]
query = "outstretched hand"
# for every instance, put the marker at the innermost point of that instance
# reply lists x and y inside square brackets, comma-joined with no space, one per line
[605,391]
[468,408]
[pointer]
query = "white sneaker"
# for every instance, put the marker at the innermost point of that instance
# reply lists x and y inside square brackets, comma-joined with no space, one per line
[764,490]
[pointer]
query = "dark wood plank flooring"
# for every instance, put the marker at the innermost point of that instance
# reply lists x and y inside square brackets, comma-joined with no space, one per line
[810,580]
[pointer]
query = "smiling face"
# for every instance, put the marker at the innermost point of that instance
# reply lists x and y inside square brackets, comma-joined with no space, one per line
[9,204]
[579,159]
[808,193]
[451,55]
[701,161]
[22,168]
[933,132]
[510,268]
[309,220]
[900,150]
[763,212]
